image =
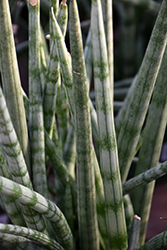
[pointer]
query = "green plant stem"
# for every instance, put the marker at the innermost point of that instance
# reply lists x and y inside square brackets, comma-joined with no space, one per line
[87,217]
[137,107]
[53,74]
[50,91]
[158,242]
[69,154]
[40,204]
[16,162]
[66,70]
[129,212]
[11,146]
[11,79]
[59,166]
[88,58]
[115,218]
[135,231]
[108,27]
[53,152]
[18,242]
[12,207]
[38,237]
[69,213]
[153,136]
[62,113]
[100,204]
[36,123]
[144,178]
[44,59]
[65,64]
[55,5]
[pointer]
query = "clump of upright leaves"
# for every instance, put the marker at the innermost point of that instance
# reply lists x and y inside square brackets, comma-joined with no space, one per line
[88,207]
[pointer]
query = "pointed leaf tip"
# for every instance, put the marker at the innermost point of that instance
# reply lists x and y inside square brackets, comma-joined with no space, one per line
[33,2]
[63,2]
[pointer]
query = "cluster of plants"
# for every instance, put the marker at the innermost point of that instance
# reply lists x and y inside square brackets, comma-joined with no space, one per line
[64,158]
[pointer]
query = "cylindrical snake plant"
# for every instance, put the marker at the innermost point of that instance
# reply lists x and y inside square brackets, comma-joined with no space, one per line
[58,130]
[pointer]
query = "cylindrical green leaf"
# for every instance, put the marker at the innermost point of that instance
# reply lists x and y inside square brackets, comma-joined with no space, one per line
[115,217]
[158,242]
[139,101]
[11,79]
[36,123]
[153,136]
[43,206]
[135,231]
[88,228]
[16,162]
[69,154]
[12,207]
[144,178]
[53,74]
[38,237]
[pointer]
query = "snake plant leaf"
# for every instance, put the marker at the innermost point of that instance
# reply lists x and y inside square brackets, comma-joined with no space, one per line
[66,68]
[144,178]
[38,237]
[87,216]
[53,74]
[59,166]
[13,210]
[129,212]
[12,207]
[11,80]
[18,242]
[36,123]
[65,63]
[11,146]
[135,231]
[88,58]
[16,162]
[69,211]
[107,142]
[62,113]
[43,206]
[50,91]
[69,154]
[108,23]
[43,59]
[94,122]
[139,101]
[55,5]
[100,204]
[153,136]
[158,242]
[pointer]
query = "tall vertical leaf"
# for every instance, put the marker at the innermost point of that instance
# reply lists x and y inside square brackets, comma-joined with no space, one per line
[53,74]
[36,123]
[108,27]
[11,79]
[88,228]
[69,154]
[139,101]
[153,136]
[115,218]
